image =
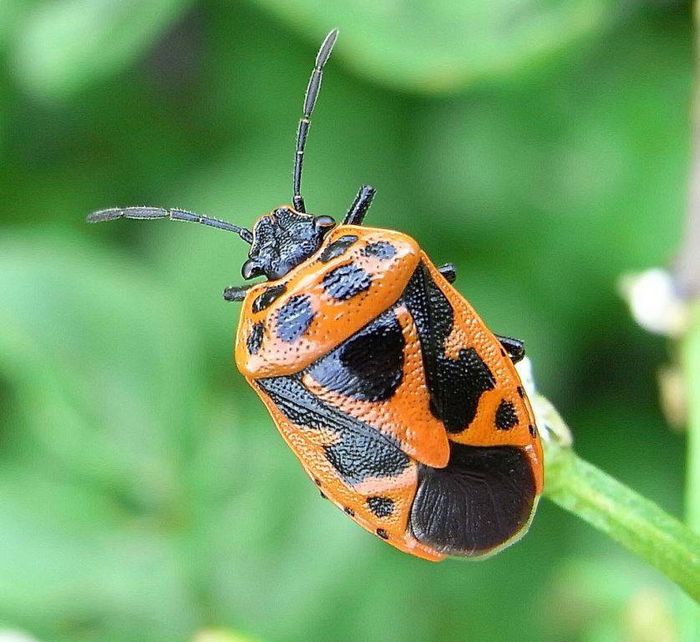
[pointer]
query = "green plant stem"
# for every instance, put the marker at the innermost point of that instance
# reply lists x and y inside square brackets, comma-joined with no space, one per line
[690,359]
[627,517]
[690,362]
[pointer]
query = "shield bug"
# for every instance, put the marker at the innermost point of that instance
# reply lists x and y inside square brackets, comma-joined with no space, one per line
[400,403]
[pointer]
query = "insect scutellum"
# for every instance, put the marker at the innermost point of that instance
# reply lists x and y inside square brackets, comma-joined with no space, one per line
[286,236]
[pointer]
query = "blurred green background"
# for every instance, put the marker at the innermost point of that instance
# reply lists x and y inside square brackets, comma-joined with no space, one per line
[145,494]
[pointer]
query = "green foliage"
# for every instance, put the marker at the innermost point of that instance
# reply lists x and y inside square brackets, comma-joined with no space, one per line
[144,493]
[64,45]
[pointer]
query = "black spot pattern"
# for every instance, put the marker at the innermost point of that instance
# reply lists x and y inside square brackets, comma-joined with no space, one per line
[533,430]
[346,281]
[521,392]
[382,533]
[481,500]
[506,416]
[349,511]
[381,506]
[455,385]
[337,248]
[380,249]
[255,338]
[359,452]
[266,298]
[294,318]
[368,365]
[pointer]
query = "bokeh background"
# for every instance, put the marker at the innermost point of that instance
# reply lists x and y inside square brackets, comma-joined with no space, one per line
[145,495]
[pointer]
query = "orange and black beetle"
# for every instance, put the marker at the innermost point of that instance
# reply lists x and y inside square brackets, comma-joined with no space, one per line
[400,403]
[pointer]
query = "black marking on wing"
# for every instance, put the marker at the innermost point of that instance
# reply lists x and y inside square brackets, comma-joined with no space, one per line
[255,338]
[360,451]
[337,248]
[381,506]
[368,365]
[506,415]
[380,249]
[482,499]
[346,281]
[267,297]
[294,318]
[455,385]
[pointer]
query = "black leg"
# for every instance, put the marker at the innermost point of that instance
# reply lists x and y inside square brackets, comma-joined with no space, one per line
[449,271]
[359,207]
[514,347]
[236,292]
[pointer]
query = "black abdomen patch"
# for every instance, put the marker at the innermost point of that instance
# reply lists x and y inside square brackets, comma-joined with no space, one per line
[346,281]
[368,365]
[294,318]
[482,499]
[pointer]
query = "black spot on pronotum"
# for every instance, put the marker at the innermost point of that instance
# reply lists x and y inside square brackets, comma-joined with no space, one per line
[380,249]
[255,338]
[382,533]
[358,452]
[266,298]
[381,506]
[482,499]
[533,430]
[349,511]
[368,365]
[346,281]
[506,416]
[337,248]
[294,318]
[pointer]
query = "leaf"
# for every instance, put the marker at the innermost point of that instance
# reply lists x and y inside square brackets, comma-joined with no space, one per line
[66,44]
[446,44]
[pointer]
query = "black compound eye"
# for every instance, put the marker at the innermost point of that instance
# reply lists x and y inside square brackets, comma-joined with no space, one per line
[250,269]
[323,222]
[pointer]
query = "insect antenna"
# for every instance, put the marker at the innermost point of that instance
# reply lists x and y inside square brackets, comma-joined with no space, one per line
[172,214]
[310,96]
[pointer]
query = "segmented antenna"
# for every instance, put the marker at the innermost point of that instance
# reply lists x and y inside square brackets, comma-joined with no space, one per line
[172,214]
[312,90]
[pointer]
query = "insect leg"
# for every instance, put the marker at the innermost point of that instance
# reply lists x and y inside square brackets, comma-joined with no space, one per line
[514,347]
[360,205]
[449,271]
[236,292]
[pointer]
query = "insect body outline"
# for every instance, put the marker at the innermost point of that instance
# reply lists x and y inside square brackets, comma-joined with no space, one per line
[400,403]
